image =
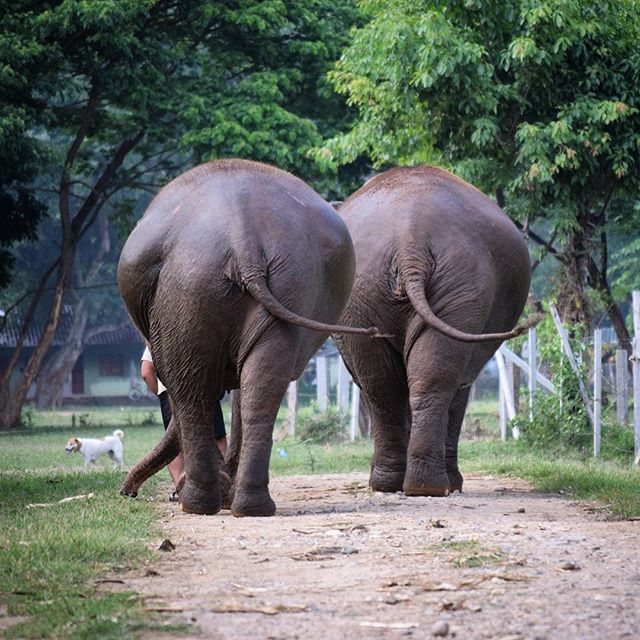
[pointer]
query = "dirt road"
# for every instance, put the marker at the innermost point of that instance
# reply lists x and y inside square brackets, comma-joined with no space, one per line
[337,561]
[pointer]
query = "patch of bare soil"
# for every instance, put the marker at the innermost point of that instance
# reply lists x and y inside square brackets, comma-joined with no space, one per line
[338,561]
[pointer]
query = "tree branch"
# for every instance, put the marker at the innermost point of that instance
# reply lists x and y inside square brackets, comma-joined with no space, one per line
[547,244]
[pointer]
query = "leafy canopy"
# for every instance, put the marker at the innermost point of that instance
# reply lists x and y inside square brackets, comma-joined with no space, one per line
[536,98]
[149,87]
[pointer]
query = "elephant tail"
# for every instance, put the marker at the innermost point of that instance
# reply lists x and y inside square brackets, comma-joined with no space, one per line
[416,293]
[261,292]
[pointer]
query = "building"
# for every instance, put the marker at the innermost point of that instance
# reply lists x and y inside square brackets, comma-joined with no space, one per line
[108,370]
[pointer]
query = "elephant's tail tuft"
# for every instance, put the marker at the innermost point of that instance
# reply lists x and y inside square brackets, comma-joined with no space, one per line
[415,288]
[259,289]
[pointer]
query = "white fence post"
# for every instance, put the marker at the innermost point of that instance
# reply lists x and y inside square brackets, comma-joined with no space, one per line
[506,393]
[292,407]
[533,367]
[636,372]
[622,384]
[502,412]
[343,387]
[597,390]
[322,383]
[355,410]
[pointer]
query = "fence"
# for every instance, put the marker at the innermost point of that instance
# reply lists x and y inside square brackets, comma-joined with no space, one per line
[330,367]
[618,376]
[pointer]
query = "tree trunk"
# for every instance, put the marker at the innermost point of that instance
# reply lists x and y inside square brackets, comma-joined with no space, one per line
[52,376]
[573,304]
[11,403]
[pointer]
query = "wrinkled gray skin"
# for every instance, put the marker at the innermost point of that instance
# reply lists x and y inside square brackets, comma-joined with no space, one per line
[434,256]
[232,275]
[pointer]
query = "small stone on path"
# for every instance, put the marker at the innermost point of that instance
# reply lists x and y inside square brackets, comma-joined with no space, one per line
[440,629]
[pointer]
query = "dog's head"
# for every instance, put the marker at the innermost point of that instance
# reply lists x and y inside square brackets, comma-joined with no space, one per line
[73,444]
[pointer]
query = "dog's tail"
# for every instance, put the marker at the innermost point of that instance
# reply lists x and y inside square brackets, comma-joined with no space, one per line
[118,434]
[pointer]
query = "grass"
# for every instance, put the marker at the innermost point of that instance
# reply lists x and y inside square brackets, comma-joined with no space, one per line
[615,483]
[467,554]
[51,557]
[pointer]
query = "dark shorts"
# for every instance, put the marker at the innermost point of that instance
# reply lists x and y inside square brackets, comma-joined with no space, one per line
[219,430]
[165,408]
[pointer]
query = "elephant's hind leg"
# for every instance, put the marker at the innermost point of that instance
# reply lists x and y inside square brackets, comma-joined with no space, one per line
[385,391]
[456,416]
[433,370]
[201,490]
[265,376]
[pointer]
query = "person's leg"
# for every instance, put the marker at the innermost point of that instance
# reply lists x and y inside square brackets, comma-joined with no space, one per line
[219,430]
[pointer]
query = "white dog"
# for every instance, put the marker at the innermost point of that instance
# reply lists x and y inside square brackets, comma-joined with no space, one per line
[92,448]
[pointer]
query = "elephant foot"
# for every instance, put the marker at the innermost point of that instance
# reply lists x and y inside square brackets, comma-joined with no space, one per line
[385,480]
[425,479]
[247,505]
[455,480]
[198,500]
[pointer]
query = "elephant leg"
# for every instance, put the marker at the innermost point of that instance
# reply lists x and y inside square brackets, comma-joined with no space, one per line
[200,492]
[433,370]
[159,457]
[385,392]
[389,423]
[263,382]
[456,415]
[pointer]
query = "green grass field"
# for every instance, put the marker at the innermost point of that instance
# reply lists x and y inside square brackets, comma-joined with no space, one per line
[52,556]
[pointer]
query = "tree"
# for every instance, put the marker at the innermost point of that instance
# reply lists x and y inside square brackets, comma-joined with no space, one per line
[535,101]
[123,94]
[19,162]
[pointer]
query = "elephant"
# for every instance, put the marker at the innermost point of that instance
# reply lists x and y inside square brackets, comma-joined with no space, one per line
[445,274]
[235,275]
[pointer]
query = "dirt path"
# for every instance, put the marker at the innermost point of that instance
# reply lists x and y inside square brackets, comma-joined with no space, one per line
[337,561]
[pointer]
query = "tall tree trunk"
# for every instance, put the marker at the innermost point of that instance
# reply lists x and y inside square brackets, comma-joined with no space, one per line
[52,376]
[573,304]
[11,402]
[50,382]
[73,228]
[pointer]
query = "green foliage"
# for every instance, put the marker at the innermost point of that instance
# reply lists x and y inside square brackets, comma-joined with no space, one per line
[536,102]
[314,425]
[559,420]
[481,84]
[558,424]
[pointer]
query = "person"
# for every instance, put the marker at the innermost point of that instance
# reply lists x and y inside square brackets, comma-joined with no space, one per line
[154,384]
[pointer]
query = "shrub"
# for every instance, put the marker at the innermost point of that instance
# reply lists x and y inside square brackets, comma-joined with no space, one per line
[560,420]
[319,426]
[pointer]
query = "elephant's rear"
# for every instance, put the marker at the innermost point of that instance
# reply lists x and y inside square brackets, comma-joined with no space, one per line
[225,230]
[435,229]
[138,270]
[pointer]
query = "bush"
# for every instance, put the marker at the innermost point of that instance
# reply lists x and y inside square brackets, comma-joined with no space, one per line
[319,426]
[559,421]
[557,424]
